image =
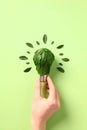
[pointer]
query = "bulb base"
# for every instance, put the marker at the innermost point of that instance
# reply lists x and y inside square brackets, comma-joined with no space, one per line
[43,78]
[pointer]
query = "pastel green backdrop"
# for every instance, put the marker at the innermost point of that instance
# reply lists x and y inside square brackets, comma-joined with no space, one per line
[23,21]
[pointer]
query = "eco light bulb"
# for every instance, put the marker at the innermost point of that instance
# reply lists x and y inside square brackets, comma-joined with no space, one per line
[43,59]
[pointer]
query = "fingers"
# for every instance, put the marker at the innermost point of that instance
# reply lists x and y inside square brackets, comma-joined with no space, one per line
[37,88]
[49,82]
[54,95]
[52,90]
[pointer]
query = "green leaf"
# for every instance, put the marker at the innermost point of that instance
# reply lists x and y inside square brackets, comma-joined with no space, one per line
[27,70]
[60,69]
[28,52]
[29,45]
[61,64]
[52,42]
[65,59]
[23,58]
[45,38]
[43,59]
[27,62]
[37,43]
[61,54]
[60,46]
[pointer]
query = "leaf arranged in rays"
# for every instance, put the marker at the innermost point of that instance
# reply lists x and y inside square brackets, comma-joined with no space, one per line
[61,64]
[37,43]
[61,54]
[61,69]
[65,59]
[27,62]
[45,38]
[60,46]
[23,58]
[29,45]
[28,52]
[27,70]
[52,42]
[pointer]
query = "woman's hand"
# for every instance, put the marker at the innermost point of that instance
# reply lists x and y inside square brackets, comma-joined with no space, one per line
[43,108]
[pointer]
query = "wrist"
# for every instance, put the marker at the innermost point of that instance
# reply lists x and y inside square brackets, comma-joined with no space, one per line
[38,125]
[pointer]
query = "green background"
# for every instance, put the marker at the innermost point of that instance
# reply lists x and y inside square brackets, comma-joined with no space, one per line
[23,21]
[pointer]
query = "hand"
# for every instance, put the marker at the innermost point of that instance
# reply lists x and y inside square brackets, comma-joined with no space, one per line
[43,108]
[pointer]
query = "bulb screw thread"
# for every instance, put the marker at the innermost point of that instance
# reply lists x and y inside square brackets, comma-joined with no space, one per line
[43,78]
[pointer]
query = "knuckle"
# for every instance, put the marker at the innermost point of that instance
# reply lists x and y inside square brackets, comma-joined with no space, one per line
[52,103]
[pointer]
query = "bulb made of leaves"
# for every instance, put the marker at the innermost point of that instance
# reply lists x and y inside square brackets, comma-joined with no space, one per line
[44,68]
